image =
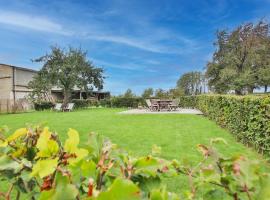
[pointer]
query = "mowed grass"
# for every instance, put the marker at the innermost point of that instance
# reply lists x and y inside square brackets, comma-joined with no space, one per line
[177,134]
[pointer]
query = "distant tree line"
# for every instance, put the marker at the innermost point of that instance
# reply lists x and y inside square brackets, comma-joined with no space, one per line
[192,83]
[151,93]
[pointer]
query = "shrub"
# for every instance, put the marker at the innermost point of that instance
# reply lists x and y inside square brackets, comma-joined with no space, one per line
[35,162]
[43,105]
[84,103]
[246,117]
[115,102]
[129,102]
[105,102]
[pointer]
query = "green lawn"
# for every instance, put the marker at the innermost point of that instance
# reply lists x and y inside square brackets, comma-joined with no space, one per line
[177,134]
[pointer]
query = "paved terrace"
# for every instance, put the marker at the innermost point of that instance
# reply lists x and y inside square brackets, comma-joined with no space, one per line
[178,111]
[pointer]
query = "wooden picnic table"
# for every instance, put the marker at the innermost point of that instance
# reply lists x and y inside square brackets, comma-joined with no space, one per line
[164,103]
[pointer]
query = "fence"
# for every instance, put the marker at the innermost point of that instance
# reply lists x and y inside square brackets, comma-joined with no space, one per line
[9,106]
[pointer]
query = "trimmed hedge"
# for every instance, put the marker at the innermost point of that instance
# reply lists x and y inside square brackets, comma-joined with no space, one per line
[84,103]
[133,102]
[105,102]
[116,102]
[44,105]
[246,117]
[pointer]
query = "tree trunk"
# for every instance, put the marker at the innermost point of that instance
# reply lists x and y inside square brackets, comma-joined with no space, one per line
[67,95]
[265,88]
[238,92]
[250,90]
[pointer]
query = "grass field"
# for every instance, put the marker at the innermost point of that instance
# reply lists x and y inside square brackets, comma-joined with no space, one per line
[177,134]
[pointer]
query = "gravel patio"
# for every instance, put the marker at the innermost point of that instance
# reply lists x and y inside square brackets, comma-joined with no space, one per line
[177,111]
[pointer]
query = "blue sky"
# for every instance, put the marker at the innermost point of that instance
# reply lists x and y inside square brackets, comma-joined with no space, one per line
[139,43]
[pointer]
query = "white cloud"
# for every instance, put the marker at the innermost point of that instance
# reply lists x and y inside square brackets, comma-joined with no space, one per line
[128,41]
[142,42]
[113,65]
[31,22]
[127,66]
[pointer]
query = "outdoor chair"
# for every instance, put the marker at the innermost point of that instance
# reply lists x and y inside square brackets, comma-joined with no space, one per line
[151,106]
[69,107]
[174,104]
[155,104]
[58,107]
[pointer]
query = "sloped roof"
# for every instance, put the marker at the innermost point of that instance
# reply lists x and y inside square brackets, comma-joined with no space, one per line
[20,68]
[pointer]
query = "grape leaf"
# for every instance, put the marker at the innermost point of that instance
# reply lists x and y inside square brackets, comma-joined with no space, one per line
[47,147]
[18,133]
[6,163]
[72,141]
[121,189]
[44,167]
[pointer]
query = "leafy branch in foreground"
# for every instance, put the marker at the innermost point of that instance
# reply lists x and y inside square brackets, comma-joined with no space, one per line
[37,165]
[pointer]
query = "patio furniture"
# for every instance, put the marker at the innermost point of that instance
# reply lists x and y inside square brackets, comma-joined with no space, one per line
[152,106]
[155,104]
[69,107]
[58,107]
[164,104]
[174,104]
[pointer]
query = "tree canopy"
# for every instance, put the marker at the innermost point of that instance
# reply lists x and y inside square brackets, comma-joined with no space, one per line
[66,69]
[191,83]
[241,61]
[147,93]
[129,94]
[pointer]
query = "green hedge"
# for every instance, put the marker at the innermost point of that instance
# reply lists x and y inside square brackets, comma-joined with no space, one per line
[105,103]
[116,102]
[133,102]
[246,117]
[84,103]
[44,105]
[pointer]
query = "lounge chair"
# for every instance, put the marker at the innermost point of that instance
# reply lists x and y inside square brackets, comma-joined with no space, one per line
[151,106]
[58,107]
[69,107]
[174,104]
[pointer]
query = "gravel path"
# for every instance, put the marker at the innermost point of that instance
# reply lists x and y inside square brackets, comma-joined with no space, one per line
[178,111]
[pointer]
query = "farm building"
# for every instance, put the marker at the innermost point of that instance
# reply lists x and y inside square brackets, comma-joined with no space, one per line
[14,89]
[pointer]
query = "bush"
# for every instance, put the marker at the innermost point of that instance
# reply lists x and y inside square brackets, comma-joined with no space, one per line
[123,102]
[44,105]
[36,163]
[105,103]
[84,103]
[128,102]
[246,117]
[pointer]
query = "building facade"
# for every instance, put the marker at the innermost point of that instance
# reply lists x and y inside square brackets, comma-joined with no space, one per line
[14,82]
[14,87]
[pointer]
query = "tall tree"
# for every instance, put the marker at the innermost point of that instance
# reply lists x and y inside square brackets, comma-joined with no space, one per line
[190,83]
[67,69]
[237,60]
[264,65]
[129,94]
[160,93]
[175,93]
[147,93]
